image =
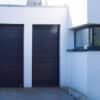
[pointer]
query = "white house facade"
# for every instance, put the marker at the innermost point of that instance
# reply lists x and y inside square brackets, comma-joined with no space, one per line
[78,68]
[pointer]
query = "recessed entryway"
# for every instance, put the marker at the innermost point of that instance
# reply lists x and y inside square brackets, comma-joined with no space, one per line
[45,55]
[11,55]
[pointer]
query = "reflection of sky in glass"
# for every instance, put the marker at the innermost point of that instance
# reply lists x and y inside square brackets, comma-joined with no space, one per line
[82,38]
[23,2]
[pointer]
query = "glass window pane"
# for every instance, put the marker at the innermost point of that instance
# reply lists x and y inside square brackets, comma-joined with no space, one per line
[82,38]
[97,36]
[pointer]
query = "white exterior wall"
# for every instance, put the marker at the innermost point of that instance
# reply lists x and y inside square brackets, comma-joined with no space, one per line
[79,71]
[78,14]
[85,73]
[93,73]
[64,64]
[94,11]
[85,66]
[39,15]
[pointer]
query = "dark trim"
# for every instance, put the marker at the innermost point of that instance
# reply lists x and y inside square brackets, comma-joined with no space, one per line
[74,39]
[23,58]
[92,36]
[89,35]
[58,54]
[75,50]
[82,50]
[92,48]
[84,26]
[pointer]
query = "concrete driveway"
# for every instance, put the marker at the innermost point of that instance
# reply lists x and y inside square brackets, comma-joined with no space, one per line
[33,94]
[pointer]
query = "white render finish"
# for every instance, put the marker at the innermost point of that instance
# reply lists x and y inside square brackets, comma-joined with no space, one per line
[27,55]
[77,60]
[85,66]
[38,15]
[93,86]
[94,11]
[85,73]
[79,71]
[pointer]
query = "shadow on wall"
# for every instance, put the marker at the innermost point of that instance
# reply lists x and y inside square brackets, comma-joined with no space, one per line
[70,34]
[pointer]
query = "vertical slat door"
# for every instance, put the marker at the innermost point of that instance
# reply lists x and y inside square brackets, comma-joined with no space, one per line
[11,55]
[45,56]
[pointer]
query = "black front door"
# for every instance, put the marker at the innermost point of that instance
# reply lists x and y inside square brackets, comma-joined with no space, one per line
[11,55]
[45,57]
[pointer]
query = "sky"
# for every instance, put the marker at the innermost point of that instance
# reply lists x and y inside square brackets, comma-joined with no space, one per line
[19,2]
[23,2]
[57,2]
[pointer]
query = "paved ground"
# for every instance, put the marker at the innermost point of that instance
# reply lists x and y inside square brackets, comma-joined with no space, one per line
[34,94]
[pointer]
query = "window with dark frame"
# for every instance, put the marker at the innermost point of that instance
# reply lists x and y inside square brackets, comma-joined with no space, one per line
[87,37]
[82,38]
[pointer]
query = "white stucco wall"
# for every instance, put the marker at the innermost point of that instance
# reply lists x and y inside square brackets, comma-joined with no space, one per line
[78,65]
[39,15]
[65,76]
[79,70]
[93,74]
[85,73]
[94,11]
[78,15]
[85,66]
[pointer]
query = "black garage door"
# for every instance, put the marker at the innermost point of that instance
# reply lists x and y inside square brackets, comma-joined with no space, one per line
[45,55]
[11,55]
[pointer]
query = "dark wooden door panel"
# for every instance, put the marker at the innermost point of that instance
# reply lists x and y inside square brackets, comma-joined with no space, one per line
[45,55]
[11,55]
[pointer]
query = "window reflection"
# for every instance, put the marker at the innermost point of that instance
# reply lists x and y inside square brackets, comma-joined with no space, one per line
[97,36]
[82,38]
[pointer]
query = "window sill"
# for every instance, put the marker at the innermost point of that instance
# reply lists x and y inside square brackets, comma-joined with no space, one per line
[84,50]
[76,50]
